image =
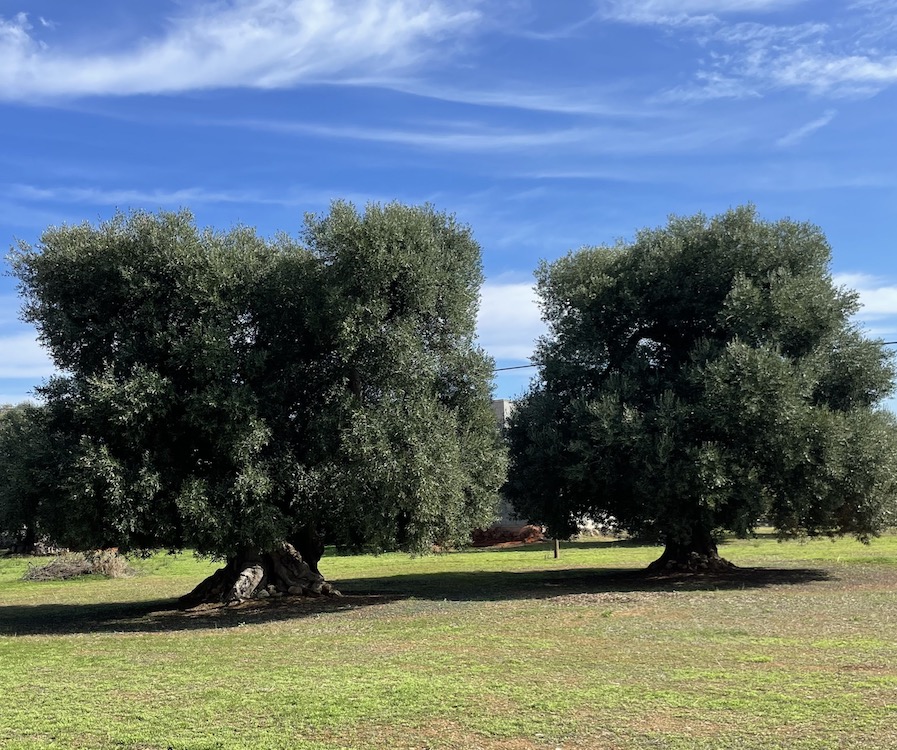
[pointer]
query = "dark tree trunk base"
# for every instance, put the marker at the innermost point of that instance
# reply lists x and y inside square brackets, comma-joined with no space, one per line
[281,572]
[690,558]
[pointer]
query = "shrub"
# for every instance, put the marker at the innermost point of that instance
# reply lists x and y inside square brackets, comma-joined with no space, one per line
[106,562]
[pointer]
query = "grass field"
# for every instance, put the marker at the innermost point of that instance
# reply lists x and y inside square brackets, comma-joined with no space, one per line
[506,649]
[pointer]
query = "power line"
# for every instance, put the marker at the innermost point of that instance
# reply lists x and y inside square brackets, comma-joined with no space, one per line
[515,367]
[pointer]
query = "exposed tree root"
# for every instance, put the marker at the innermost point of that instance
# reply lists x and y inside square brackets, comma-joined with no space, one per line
[690,558]
[256,576]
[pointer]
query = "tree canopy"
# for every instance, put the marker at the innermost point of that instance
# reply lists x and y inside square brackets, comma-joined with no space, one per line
[230,393]
[706,376]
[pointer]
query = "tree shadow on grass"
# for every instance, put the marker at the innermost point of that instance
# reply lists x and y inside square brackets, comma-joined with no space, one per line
[606,543]
[544,584]
[579,544]
[162,615]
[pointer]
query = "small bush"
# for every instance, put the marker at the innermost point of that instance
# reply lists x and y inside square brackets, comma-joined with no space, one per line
[106,562]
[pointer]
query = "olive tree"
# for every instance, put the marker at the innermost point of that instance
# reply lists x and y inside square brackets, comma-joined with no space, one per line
[706,376]
[252,398]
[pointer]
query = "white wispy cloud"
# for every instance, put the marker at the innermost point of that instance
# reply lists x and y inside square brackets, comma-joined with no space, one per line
[562,32]
[685,12]
[284,43]
[130,196]
[836,59]
[885,9]
[509,322]
[240,43]
[24,357]
[477,138]
[888,5]
[841,75]
[763,35]
[809,175]
[742,59]
[709,85]
[191,196]
[877,296]
[577,101]
[459,137]
[798,134]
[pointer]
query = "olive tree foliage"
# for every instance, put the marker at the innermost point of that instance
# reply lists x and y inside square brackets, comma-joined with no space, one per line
[229,393]
[706,376]
[28,456]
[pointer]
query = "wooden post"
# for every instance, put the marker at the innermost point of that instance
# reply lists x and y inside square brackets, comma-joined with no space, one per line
[557,548]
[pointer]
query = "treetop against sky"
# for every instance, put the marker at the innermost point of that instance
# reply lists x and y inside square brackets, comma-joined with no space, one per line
[545,126]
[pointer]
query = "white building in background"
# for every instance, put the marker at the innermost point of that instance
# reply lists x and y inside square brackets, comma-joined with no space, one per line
[502,408]
[507,519]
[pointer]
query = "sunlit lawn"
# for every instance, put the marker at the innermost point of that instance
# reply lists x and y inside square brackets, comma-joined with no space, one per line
[490,649]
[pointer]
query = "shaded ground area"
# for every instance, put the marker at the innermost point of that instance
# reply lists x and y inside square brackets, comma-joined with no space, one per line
[603,585]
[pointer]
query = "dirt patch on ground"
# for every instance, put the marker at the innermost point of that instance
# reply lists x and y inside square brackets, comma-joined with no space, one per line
[443,734]
[614,597]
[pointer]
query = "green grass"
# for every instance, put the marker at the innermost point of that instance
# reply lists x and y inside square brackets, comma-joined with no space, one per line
[502,649]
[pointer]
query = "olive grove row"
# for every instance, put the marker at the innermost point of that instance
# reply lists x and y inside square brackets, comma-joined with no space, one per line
[254,398]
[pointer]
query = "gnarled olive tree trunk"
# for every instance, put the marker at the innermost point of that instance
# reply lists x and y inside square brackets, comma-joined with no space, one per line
[697,555]
[258,575]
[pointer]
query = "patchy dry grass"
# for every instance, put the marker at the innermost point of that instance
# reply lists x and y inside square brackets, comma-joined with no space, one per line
[502,650]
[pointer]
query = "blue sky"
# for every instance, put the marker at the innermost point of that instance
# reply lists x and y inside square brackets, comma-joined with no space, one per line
[546,126]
